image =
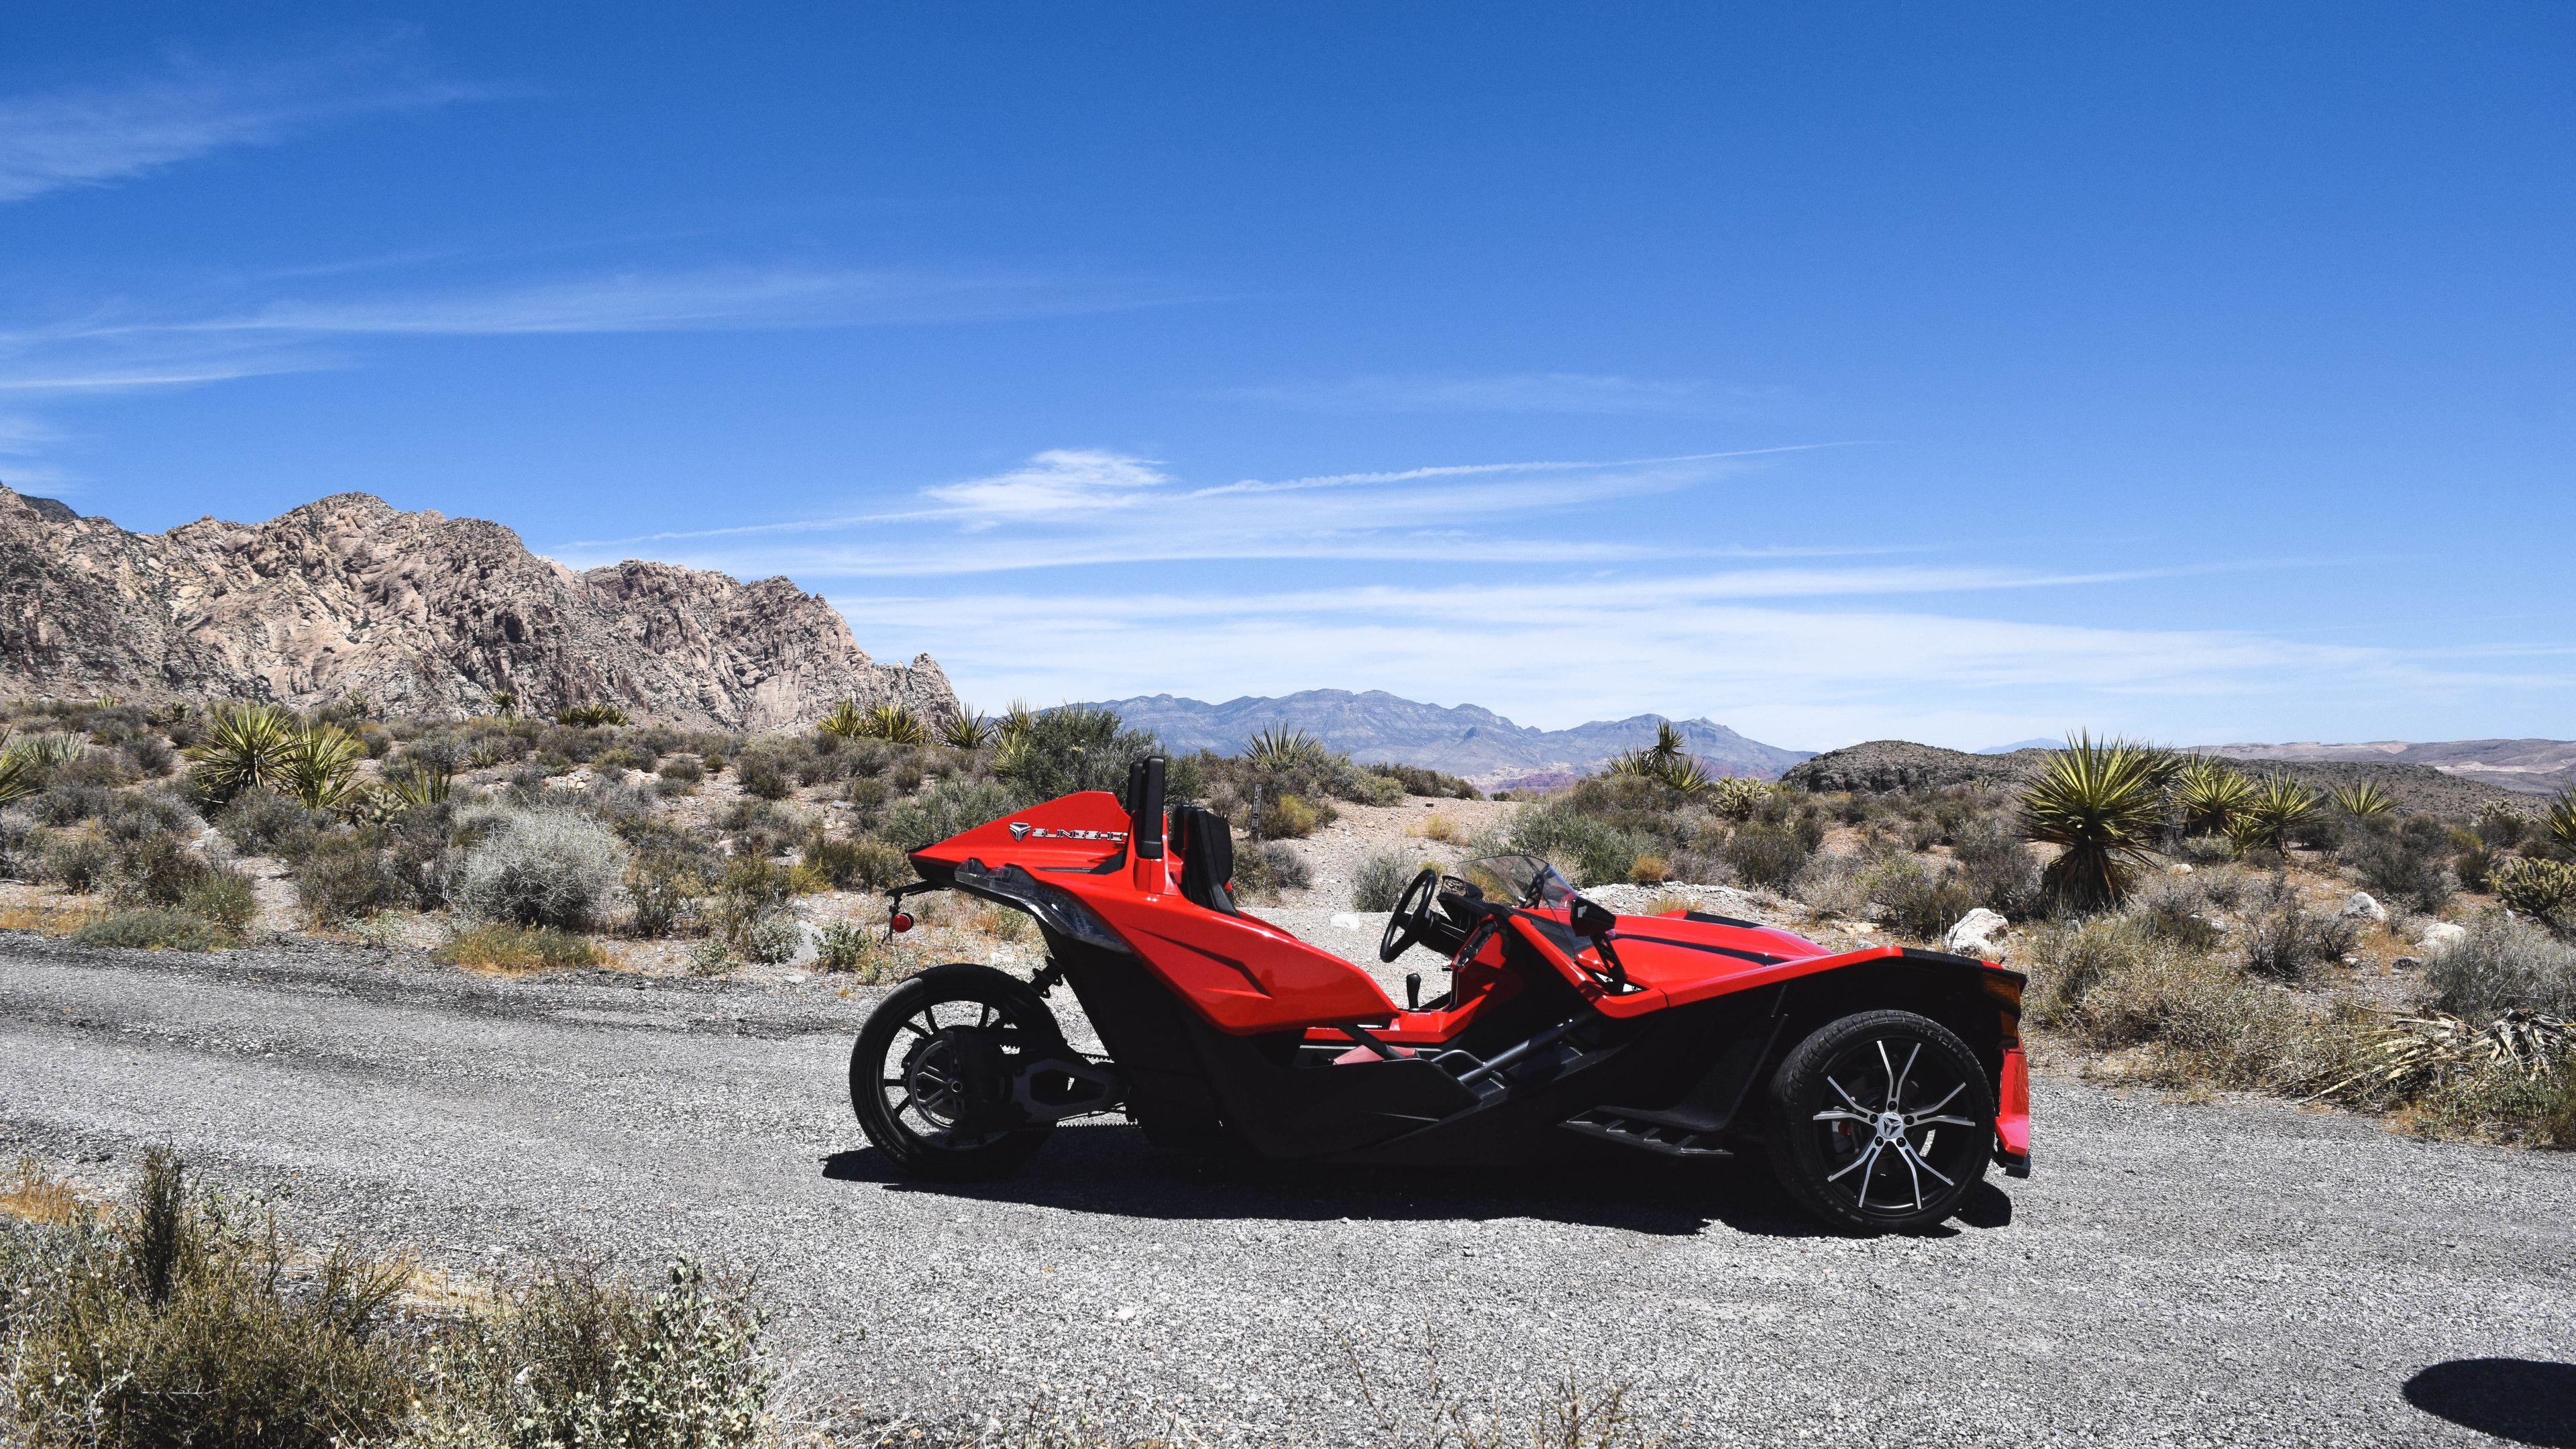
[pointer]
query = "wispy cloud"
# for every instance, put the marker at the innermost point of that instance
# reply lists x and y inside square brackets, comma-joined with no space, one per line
[1514,392]
[185,107]
[1074,506]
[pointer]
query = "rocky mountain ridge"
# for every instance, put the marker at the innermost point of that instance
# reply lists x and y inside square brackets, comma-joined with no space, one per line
[420,613]
[2536,767]
[1463,739]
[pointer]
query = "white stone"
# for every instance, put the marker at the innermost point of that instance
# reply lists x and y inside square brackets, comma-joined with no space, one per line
[2179,867]
[2440,936]
[2362,907]
[1975,935]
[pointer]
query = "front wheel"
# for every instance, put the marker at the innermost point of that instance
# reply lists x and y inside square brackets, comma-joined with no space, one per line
[1881,1121]
[930,1074]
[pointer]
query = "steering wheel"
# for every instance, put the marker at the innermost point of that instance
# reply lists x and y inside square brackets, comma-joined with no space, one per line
[1411,910]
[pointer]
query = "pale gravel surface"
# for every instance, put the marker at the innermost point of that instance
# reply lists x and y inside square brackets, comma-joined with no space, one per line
[2238,1273]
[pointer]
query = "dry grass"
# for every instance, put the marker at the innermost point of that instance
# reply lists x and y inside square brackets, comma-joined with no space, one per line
[1439,827]
[54,919]
[515,950]
[38,1197]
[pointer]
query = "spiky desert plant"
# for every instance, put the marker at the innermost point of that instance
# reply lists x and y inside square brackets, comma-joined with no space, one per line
[245,748]
[587,716]
[1016,721]
[19,770]
[845,719]
[966,730]
[2559,818]
[2362,801]
[2210,795]
[321,769]
[895,724]
[1667,762]
[1735,797]
[2544,890]
[2280,804]
[420,782]
[1280,747]
[2100,802]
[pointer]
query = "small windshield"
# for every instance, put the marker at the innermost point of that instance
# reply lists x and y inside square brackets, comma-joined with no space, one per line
[1524,879]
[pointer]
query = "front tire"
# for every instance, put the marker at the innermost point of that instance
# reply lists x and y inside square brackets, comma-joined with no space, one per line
[1881,1122]
[925,1070]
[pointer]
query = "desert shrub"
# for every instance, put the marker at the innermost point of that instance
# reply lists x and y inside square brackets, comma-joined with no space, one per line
[1589,849]
[78,863]
[2403,865]
[2283,938]
[679,776]
[1997,865]
[245,747]
[223,896]
[666,890]
[2500,965]
[590,716]
[747,916]
[2542,889]
[152,756]
[1291,817]
[181,1321]
[2113,984]
[261,823]
[348,875]
[863,864]
[849,948]
[1381,878]
[152,928]
[947,809]
[1419,781]
[1649,869]
[1771,853]
[2178,912]
[1079,748]
[1919,898]
[1265,868]
[22,849]
[69,804]
[556,867]
[867,795]
[761,773]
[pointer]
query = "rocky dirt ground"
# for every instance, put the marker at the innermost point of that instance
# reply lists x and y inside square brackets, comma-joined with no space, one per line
[2240,1272]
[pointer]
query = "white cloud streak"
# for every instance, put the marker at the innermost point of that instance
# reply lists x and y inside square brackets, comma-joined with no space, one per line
[96,135]
[1516,392]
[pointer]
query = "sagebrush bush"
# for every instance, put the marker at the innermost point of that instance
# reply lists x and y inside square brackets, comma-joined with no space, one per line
[1264,868]
[1418,781]
[2502,964]
[2001,873]
[346,876]
[1381,878]
[2113,984]
[1918,897]
[2405,865]
[155,929]
[1590,850]
[79,863]
[946,809]
[1292,817]
[857,864]
[554,867]
[261,823]
[1771,853]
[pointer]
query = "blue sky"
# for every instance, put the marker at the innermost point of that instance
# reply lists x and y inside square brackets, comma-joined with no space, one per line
[1962,374]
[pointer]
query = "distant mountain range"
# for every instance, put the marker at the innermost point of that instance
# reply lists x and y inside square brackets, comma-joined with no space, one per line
[1464,740]
[2533,767]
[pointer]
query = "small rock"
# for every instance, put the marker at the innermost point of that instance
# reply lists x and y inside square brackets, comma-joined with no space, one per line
[2403,963]
[2440,936]
[2179,867]
[2362,908]
[2349,959]
[1975,935]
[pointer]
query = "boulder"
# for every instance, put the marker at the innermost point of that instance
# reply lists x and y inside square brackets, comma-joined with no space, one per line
[2440,936]
[2361,907]
[1978,933]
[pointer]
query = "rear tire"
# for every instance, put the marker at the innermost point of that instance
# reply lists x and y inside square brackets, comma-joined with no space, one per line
[908,1066]
[1881,1122]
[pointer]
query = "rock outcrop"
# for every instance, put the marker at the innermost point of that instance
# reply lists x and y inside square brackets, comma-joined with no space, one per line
[420,613]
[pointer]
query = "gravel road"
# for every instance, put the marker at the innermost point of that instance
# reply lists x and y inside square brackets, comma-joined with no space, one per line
[2186,1274]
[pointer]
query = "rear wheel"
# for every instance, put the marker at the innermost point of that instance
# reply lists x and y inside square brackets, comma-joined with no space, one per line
[930,1075]
[1881,1121]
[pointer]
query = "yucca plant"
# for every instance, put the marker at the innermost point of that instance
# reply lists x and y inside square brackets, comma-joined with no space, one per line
[321,769]
[1280,747]
[2101,803]
[2362,801]
[2211,796]
[895,724]
[2559,818]
[1016,721]
[846,719]
[19,771]
[1667,762]
[419,782]
[966,730]
[2280,805]
[587,716]
[245,749]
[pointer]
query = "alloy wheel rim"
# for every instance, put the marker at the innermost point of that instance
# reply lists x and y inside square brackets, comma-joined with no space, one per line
[1889,1115]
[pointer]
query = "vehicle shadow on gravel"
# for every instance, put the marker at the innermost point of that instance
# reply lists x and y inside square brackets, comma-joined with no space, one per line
[2518,1400]
[1114,1171]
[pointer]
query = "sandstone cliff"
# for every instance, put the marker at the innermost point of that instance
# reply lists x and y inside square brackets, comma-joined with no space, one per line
[422,614]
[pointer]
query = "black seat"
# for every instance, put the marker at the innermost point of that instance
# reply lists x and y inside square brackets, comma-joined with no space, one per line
[1206,846]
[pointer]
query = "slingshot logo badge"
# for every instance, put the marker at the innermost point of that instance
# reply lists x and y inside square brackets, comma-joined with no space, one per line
[1019,830]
